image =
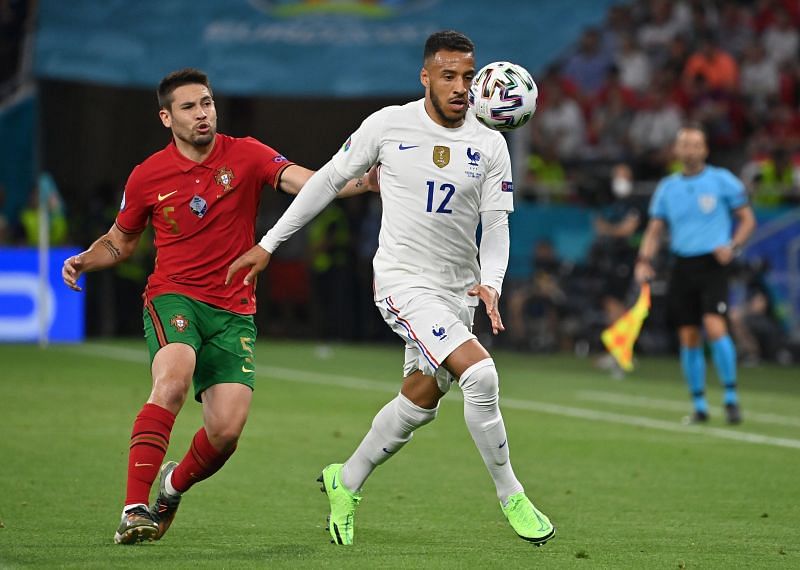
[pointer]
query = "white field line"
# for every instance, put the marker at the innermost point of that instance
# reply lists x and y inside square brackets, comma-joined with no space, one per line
[326,379]
[675,406]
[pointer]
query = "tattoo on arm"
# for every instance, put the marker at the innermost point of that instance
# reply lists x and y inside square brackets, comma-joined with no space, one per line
[359,182]
[112,249]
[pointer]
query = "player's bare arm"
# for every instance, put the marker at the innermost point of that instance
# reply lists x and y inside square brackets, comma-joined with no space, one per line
[643,271]
[295,176]
[746,224]
[110,249]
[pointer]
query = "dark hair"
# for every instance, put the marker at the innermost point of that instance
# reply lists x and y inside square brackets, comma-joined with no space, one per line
[695,126]
[447,40]
[186,76]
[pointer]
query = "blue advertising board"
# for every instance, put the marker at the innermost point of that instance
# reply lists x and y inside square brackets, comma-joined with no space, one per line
[20,305]
[297,48]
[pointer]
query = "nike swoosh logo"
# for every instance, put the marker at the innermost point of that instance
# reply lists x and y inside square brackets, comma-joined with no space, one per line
[542,525]
[403,147]
[137,464]
[502,445]
[334,485]
[246,370]
[387,451]
[165,196]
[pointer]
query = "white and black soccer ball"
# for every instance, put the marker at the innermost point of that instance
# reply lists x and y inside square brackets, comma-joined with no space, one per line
[503,96]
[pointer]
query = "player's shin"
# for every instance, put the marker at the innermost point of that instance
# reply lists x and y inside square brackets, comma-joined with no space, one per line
[149,442]
[480,386]
[391,429]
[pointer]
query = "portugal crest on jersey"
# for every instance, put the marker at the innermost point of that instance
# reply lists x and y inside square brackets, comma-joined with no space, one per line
[224,178]
[441,156]
[179,322]
[707,203]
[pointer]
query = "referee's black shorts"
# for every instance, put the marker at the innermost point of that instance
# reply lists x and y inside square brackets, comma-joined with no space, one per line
[697,286]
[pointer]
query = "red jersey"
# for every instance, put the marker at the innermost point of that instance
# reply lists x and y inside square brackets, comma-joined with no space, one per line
[203,215]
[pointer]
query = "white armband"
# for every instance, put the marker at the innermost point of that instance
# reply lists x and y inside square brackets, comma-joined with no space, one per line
[317,192]
[494,248]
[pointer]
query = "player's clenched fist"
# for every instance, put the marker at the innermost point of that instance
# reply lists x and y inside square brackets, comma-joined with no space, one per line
[72,269]
[255,259]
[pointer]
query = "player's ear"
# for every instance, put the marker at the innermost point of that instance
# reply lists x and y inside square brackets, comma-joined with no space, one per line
[165,117]
[424,78]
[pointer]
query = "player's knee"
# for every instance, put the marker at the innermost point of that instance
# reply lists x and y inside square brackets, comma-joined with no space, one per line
[480,383]
[224,438]
[413,415]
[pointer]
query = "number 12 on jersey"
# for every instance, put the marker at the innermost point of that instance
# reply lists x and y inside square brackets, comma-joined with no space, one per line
[448,190]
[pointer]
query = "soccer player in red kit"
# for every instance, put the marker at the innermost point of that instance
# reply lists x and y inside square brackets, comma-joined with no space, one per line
[201,194]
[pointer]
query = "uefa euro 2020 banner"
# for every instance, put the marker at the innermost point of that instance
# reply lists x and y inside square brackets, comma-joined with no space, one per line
[341,48]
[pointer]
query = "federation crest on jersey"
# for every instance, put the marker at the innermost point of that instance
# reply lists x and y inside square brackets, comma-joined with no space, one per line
[198,206]
[707,203]
[441,156]
[224,177]
[473,156]
[179,322]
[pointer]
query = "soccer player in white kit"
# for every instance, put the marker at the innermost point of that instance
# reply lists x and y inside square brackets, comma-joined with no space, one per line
[441,172]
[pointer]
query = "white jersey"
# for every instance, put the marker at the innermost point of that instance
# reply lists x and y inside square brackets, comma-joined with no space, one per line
[434,183]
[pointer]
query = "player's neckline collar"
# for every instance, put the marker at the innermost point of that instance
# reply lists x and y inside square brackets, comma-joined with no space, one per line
[185,164]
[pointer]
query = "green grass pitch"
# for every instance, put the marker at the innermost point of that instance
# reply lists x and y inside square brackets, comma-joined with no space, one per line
[625,483]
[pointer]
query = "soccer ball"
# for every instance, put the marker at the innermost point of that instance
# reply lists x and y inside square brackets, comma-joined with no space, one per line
[503,96]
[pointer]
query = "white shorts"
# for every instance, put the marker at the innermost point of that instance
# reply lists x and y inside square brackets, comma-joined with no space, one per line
[432,326]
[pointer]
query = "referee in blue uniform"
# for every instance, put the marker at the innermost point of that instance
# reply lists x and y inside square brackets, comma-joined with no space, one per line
[699,206]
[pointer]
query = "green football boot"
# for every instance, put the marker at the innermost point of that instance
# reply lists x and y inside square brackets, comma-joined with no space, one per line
[165,507]
[527,521]
[137,525]
[343,504]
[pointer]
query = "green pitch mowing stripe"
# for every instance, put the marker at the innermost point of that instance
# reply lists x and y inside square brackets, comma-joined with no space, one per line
[354,383]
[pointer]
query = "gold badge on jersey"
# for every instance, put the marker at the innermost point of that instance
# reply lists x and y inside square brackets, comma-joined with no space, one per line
[441,156]
[224,177]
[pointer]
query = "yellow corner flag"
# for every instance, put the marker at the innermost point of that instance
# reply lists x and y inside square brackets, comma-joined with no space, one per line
[620,337]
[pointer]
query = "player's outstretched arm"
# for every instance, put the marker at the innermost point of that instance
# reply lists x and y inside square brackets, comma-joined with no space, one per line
[295,176]
[112,248]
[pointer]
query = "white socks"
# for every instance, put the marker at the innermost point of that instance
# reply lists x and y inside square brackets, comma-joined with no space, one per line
[391,429]
[480,386]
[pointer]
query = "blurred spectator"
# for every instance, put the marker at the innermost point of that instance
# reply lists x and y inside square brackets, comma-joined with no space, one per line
[618,230]
[5,228]
[783,125]
[716,66]
[766,13]
[716,109]
[329,250]
[47,191]
[611,121]
[560,124]
[633,64]
[535,308]
[546,176]
[771,179]
[653,131]
[755,324]
[587,67]
[659,29]
[675,56]
[735,31]
[760,80]
[781,39]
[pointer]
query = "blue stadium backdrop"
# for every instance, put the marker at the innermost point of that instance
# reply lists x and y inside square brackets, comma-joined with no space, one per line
[280,47]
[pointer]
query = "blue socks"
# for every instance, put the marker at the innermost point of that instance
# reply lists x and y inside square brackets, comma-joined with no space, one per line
[723,352]
[693,363]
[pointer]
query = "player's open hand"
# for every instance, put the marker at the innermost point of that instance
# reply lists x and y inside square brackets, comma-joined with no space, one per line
[491,299]
[255,260]
[724,254]
[71,271]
